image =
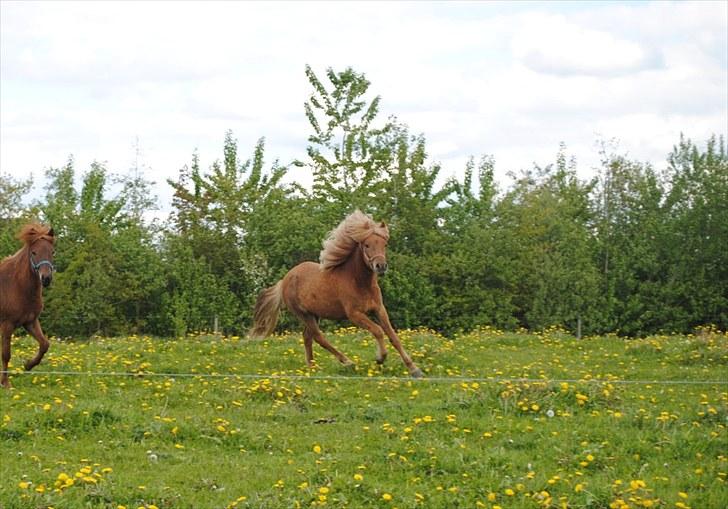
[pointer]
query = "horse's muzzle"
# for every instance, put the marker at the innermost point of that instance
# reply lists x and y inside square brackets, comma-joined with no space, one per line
[380,268]
[46,281]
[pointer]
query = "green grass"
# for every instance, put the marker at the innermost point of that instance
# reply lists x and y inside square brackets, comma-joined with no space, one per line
[362,438]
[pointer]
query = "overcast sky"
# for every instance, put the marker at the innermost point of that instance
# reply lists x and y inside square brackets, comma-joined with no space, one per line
[508,79]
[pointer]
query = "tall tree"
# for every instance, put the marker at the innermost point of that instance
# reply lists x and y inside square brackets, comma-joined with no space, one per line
[473,268]
[108,279]
[549,211]
[695,288]
[215,215]
[630,222]
[347,159]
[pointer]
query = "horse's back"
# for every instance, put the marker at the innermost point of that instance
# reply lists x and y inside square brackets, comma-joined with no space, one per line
[306,269]
[304,277]
[307,289]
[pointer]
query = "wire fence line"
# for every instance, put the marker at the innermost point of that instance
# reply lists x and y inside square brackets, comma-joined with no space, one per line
[377,378]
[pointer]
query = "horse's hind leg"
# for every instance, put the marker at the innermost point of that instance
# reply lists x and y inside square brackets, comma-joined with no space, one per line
[34,329]
[312,325]
[308,345]
[5,333]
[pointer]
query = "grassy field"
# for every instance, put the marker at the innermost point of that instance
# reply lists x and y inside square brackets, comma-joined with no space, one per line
[469,435]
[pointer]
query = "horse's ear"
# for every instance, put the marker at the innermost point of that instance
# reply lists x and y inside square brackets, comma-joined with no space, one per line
[383,224]
[51,233]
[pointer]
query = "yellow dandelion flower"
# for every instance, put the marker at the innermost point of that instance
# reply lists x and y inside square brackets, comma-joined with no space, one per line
[386,497]
[636,484]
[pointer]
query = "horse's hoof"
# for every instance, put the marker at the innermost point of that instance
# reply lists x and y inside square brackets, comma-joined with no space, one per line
[381,361]
[417,373]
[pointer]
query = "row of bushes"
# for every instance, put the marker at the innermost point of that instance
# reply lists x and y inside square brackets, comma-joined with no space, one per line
[634,250]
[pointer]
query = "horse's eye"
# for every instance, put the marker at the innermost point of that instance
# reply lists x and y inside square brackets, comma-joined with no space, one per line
[33,253]
[366,246]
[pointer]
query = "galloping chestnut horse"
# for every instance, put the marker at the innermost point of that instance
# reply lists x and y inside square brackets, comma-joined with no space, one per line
[343,285]
[22,277]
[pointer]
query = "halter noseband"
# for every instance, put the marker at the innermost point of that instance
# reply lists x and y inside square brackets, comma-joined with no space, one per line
[36,266]
[364,254]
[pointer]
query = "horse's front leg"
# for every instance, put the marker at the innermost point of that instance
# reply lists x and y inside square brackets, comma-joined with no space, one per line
[362,320]
[383,318]
[5,333]
[34,329]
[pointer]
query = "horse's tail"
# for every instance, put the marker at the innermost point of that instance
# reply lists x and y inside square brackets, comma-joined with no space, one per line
[266,311]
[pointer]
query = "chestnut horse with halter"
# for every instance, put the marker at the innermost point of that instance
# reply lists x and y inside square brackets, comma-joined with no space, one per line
[22,279]
[343,285]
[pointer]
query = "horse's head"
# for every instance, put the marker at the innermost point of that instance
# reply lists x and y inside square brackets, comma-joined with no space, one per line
[374,251]
[41,247]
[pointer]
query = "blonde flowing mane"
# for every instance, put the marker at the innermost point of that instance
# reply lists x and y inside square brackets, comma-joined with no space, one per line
[343,239]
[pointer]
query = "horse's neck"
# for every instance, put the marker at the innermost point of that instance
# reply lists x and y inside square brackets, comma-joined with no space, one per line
[357,267]
[22,270]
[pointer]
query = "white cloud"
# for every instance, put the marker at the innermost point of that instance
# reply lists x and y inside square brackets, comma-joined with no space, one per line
[554,45]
